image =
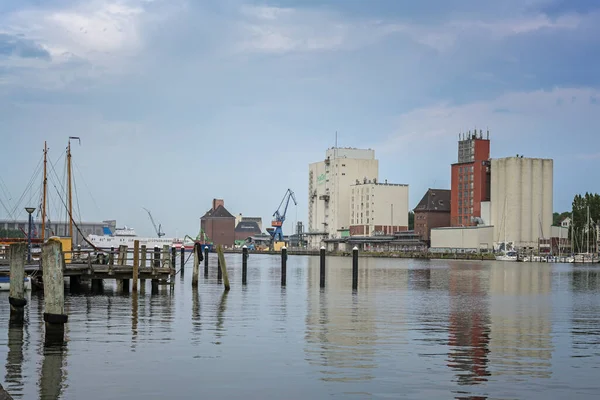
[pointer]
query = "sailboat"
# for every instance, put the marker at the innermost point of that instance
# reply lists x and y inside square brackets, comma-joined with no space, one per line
[506,249]
[587,257]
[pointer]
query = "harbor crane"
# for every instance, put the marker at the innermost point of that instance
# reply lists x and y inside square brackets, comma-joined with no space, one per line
[157,230]
[279,216]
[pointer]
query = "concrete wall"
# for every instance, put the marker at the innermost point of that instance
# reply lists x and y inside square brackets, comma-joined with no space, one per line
[345,167]
[379,206]
[521,200]
[468,239]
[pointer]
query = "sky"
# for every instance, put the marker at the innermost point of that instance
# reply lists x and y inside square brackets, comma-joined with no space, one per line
[179,102]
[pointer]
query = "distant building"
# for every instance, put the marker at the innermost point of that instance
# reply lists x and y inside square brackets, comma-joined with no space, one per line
[60,228]
[329,190]
[378,208]
[245,229]
[471,239]
[521,200]
[566,223]
[405,241]
[219,224]
[470,181]
[433,211]
[239,218]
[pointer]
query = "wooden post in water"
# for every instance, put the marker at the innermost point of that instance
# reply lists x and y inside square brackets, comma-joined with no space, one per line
[155,264]
[205,261]
[111,261]
[219,270]
[223,267]
[322,267]
[244,264]
[196,268]
[16,296]
[123,284]
[182,261]
[283,266]
[355,268]
[166,261]
[174,259]
[54,294]
[143,255]
[136,265]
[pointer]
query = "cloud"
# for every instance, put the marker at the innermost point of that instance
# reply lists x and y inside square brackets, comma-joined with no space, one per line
[11,45]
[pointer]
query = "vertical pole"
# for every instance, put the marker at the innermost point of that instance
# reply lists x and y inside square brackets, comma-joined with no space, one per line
[223,266]
[355,268]
[54,296]
[29,238]
[123,284]
[70,216]
[17,286]
[182,258]
[44,191]
[136,265]
[111,260]
[196,268]
[244,265]
[283,266]
[143,258]
[205,261]
[219,270]
[322,267]
[174,259]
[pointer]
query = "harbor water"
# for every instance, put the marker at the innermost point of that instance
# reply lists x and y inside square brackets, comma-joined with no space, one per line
[415,329]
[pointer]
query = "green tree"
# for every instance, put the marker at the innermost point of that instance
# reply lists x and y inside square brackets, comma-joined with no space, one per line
[11,233]
[411,220]
[581,222]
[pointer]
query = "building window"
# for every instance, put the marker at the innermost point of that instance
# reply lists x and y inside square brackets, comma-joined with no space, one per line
[460,220]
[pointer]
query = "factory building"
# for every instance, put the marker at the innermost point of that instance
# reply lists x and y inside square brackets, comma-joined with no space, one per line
[378,208]
[219,224]
[241,218]
[433,211]
[468,239]
[329,190]
[521,200]
[470,180]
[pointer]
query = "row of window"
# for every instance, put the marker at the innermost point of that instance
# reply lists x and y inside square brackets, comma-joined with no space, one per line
[465,194]
[467,168]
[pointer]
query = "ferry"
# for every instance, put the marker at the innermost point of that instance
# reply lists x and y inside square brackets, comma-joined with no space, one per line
[127,236]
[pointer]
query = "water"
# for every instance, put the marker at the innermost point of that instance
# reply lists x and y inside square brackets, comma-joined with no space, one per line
[415,330]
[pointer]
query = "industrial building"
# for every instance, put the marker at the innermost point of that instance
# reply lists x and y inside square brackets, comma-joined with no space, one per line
[246,229]
[240,218]
[470,180]
[521,200]
[219,224]
[468,239]
[378,208]
[433,211]
[329,192]
[60,228]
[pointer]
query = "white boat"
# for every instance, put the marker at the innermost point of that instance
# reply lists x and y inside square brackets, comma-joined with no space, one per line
[127,236]
[5,283]
[585,258]
[507,256]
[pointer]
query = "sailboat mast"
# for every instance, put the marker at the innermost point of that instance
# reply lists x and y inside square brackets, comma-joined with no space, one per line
[588,229]
[44,194]
[70,216]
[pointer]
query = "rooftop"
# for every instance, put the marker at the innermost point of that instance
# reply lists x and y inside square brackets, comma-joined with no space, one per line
[435,200]
[219,212]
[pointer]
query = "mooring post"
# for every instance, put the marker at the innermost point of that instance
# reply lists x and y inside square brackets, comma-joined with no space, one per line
[182,261]
[223,267]
[355,268]
[111,261]
[322,267]
[123,284]
[196,268]
[143,254]
[244,264]
[136,265]
[283,266]
[16,296]
[205,261]
[174,258]
[219,270]
[54,295]
[166,262]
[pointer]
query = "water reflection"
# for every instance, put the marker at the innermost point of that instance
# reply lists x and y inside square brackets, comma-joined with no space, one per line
[521,327]
[196,320]
[585,314]
[220,331]
[14,359]
[134,320]
[53,372]
[469,325]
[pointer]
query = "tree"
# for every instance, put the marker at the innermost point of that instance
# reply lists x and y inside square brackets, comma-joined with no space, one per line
[11,233]
[580,222]
[411,220]
[557,218]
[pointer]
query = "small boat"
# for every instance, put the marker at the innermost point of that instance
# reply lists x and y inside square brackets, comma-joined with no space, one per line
[507,256]
[5,283]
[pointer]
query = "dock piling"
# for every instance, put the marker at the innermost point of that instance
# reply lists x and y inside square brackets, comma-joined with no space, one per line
[54,294]
[174,259]
[155,264]
[244,264]
[136,265]
[143,256]
[223,267]
[219,268]
[355,268]
[196,268]
[322,267]
[283,266]
[16,296]
[182,261]
[111,261]
[205,261]
[123,284]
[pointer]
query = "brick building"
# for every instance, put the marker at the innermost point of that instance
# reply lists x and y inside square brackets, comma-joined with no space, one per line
[470,179]
[219,224]
[433,211]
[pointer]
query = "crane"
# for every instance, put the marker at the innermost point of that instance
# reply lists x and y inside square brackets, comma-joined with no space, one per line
[157,230]
[279,216]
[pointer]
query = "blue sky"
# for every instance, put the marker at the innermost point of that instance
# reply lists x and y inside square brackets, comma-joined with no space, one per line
[178,102]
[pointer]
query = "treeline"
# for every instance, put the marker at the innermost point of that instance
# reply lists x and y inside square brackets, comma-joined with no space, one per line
[580,222]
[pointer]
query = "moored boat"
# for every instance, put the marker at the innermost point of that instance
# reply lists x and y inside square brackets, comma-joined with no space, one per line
[5,283]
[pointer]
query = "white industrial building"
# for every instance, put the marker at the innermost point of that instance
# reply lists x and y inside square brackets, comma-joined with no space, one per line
[378,208]
[521,200]
[469,239]
[329,193]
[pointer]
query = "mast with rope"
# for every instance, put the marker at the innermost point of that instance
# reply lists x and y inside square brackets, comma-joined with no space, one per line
[44,191]
[69,184]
